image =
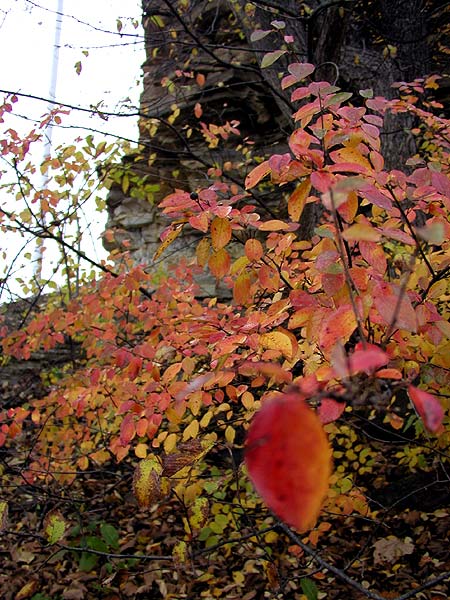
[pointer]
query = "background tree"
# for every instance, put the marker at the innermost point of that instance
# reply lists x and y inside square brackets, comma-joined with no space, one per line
[204,65]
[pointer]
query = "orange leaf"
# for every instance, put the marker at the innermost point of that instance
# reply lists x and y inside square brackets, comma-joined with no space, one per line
[338,326]
[269,278]
[241,289]
[202,252]
[289,459]
[220,233]
[200,221]
[219,263]
[253,249]
[258,173]
[273,225]
[297,200]
[198,111]
[428,407]
[272,370]
[351,156]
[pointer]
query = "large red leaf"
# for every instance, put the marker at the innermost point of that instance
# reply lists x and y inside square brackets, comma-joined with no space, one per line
[428,407]
[289,459]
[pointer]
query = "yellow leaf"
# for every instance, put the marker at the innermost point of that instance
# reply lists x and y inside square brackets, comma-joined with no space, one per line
[352,155]
[281,340]
[191,430]
[241,290]
[361,232]
[3,515]
[198,513]
[230,434]
[141,450]
[171,236]
[146,481]
[202,252]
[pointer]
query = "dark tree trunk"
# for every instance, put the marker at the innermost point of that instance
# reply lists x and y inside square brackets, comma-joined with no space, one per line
[355,44]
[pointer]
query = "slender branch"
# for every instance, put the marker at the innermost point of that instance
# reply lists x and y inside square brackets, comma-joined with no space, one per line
[349,580]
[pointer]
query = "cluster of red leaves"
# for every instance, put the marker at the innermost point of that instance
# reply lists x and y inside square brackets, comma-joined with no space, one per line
[364,299]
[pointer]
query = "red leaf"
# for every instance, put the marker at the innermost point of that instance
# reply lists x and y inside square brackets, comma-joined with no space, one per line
[200,221]
[330,410]
[428,407]
[301,70]
[365,360]
[127,430]
[289,459]
[396,311]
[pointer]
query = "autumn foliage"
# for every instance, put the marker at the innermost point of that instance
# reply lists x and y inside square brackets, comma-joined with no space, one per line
[321,334]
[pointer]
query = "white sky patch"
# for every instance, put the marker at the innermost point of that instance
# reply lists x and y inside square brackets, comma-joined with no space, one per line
[110,79]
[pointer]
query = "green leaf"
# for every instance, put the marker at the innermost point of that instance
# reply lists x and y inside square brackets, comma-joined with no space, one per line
[259,34]
[309,588]
[87,562]
[110,535]
[271,57]
[96,543]
[338,98]
[54,527]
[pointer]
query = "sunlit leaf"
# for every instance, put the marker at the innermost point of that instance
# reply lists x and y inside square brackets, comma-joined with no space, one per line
[361,232]
[172,235]
[273,225]
[297,200]
[241,289]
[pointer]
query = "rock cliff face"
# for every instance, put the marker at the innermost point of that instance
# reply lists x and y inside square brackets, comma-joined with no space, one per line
[203,67]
